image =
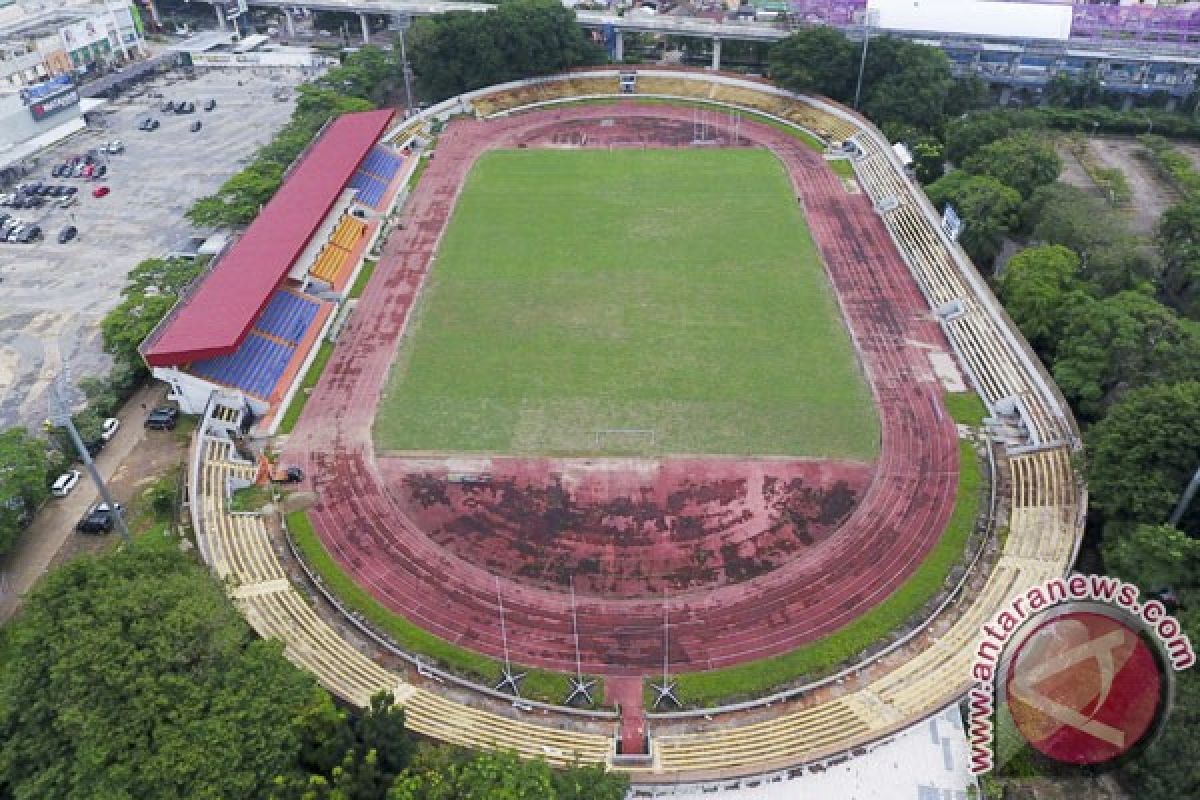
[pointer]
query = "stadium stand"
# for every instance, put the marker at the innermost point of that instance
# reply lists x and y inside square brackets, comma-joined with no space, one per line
[375,175]
[288,316]
[1045,504]
[334,261]
[261,360]
[238,548]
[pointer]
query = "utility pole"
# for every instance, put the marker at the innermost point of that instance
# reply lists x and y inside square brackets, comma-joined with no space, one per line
[61,413]
[868,19]
[1188,495]
[402,22]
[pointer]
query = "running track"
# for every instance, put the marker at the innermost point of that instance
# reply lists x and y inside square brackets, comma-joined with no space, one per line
[900,518]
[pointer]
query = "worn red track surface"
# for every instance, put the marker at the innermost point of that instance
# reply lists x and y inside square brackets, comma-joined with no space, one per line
[364,522]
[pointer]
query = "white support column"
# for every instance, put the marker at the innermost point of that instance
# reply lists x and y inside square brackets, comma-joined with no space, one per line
[366,28]
[220,15]
[716,62]
[619,48]
[290,22]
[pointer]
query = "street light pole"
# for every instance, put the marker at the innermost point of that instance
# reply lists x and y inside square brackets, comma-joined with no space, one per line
[1188,494]
[869,17]
[62,412]
[408,104]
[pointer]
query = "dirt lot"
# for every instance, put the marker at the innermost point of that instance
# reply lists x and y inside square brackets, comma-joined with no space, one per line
[1151,196]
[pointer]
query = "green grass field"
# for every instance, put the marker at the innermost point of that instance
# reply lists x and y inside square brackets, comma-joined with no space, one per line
[674,291]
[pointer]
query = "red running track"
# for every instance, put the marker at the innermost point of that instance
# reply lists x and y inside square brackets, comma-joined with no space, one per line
[901,516]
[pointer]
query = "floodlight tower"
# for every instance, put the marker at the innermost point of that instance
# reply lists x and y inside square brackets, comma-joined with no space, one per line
[869,18]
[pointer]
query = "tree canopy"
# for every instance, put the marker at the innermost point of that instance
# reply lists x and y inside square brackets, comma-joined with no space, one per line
[1022,161]
[989,210]
[445,774]
[1143,453]
[818,60]
[132,676]
[1039,287]
[1122,342]
[1179,243]
[460,51]
[1154,556]
[23,466]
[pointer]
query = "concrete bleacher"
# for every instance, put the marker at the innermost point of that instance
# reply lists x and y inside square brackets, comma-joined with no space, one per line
[238,548]
[259,363]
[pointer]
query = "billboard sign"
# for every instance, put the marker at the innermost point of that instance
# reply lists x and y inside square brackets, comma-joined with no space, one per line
[46,89]
[40,109]
[951,223]
[84,34]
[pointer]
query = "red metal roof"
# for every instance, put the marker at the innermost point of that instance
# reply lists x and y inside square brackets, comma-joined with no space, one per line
[219,313]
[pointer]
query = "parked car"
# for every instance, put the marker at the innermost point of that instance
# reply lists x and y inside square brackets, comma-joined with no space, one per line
[109,428]
[148,124]
[68,201]
[31,234]
[98,519]
[292,474]
[100,191]
[210,104]
[100,172]
[167,107]
[67,234]
[65,483]
[115,146]
[70,191]
[163,418]
[195,126]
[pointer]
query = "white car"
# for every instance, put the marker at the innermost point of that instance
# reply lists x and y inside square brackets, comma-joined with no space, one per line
[109,429]
[65,483]
[115,146]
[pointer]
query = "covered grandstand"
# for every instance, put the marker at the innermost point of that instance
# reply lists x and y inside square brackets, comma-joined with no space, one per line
[252,322]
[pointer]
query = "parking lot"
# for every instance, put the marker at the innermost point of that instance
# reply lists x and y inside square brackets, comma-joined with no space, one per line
[54,295]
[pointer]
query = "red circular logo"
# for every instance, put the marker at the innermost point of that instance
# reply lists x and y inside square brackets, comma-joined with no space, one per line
[1084,687]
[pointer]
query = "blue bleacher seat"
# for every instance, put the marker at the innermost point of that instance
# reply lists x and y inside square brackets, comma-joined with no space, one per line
[287,316]
[255,367]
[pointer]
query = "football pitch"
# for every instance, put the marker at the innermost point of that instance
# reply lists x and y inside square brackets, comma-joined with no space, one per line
[628,303]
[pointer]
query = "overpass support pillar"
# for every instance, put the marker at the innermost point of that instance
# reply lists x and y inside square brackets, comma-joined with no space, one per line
[220,15]
[1127,103]
[366,28]
[290,22]
[716,62]
[619,47]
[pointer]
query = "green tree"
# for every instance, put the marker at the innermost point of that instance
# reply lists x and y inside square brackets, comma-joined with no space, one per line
[1119,343]
[1039,287]
[989,209]
[967,134]
[446,774]
[1179,243]
[1166,770]
[1022,161]
[907,85]
[929,157]
[130,675]
[819,60]
[1153,556]
[1142,454]
[460,51]
[24,462]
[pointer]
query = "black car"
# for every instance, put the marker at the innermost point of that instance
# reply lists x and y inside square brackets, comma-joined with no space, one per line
[195,126]
[30,234]
[70,190]
[100,172]
[67,234]
[163,418]
[98,519]
[168,107]
[210,105]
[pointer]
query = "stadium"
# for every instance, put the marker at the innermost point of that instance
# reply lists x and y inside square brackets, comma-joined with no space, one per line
[654,389]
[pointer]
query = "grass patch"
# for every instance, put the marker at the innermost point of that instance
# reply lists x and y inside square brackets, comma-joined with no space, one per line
[758,678]
[670,291]
[300,398]
[154,507]
[543,685]
[249,498]
[364,277]
[841,167]
[965,408]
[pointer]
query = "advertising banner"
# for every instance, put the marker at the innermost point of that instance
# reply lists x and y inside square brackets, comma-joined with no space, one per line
[40,109]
